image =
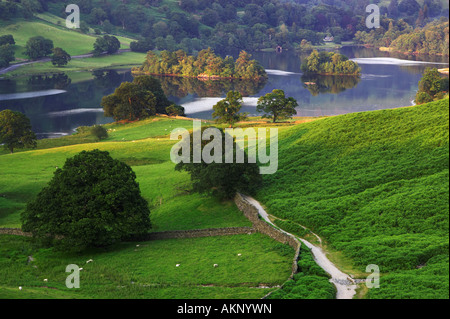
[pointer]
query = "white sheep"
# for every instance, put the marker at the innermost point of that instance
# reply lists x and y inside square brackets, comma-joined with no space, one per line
[239,255]
[45,280]
[216,265]
[177,265]
[89,261]
[80,269]
[20,288]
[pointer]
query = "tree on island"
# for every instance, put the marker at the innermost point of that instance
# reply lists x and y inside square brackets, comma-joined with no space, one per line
[93,201]
[221,179]
[227,110]
[60,57]
[108,43]
[205,65]
[330,63]
[15,131]
[38,47]
[277,106]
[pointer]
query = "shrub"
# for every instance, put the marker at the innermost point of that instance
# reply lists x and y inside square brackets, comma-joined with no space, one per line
[423,97]
[99,132]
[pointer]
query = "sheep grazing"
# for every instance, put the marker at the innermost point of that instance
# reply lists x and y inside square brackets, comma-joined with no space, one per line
[20,288]
[89,261]
[177,265]
[45,280]
[80,269]
[216,265]
[239,255]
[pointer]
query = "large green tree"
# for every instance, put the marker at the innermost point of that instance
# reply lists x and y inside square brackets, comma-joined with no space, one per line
[220,178]
[60,57]
[139,99]
[6,55]
[94,200]
[38,47]
[129,102]
[108,43]
[7,39]
[15,130]
[227,110]
[276,105]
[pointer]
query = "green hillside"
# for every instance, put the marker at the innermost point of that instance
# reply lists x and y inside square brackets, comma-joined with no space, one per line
[74,43]
[374,185]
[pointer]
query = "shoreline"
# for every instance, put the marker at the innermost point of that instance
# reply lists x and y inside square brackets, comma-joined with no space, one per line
[199,77]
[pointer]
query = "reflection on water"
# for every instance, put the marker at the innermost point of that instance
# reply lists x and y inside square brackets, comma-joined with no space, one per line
[391,61]
[76,104]
[387,81]
[29,95]
[177,87]
[317,84]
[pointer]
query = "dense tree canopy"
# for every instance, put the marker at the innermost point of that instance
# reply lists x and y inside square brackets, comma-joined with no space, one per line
[227,26]
[38,47]
[15,130]
[136,100]
[94,200]
[107,43]
[277,106]
[432,86]
[7,39]
[6,55]
[205,65]
[227,110]
[220,178]
[60,57]
[330,63]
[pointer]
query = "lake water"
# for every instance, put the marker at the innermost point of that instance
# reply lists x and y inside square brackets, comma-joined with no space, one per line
[58,104]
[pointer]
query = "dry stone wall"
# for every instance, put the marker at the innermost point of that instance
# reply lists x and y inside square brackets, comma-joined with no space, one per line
[251,212]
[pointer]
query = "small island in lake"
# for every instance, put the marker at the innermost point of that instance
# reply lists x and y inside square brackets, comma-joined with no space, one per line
[206,65]
[330,63]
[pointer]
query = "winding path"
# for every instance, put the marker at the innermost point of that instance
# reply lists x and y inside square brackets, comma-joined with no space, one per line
[345,285]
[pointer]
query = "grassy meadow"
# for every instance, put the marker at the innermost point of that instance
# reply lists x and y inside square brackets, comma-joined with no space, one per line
[149,271]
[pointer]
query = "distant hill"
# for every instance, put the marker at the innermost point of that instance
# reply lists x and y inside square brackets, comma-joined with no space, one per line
[375,186]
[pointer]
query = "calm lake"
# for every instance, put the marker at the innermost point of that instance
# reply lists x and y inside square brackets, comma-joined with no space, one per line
[57,104]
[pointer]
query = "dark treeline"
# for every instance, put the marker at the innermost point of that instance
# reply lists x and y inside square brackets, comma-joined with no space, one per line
[431,38]
[226,25]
